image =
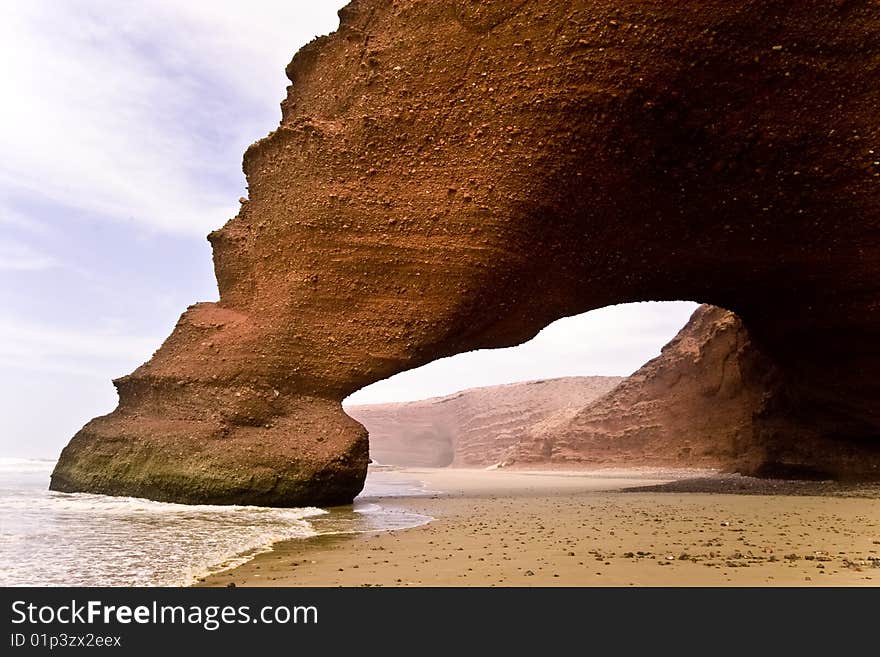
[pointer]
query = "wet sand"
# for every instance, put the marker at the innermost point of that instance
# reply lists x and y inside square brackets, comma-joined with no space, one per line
[503,528]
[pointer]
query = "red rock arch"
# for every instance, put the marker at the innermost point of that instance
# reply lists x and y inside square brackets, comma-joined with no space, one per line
[443,181]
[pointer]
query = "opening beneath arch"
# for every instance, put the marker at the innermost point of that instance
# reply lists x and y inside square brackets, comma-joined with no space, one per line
[500,407]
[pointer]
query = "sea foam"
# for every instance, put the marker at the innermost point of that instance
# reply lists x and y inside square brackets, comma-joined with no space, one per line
[79,539]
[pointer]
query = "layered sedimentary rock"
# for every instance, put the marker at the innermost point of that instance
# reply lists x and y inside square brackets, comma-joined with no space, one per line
[455,175]
[472,428]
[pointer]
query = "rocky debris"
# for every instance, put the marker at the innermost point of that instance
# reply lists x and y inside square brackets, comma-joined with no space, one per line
[744,485]
[669,154]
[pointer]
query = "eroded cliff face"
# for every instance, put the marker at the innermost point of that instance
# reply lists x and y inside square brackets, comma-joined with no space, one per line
[709,400]
[477,427]
[694,405]
[455,175]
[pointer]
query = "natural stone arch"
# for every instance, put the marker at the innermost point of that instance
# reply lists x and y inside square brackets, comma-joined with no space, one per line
[690,406]
[444,181]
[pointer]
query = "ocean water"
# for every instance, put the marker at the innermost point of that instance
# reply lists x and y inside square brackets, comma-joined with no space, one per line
[78,539]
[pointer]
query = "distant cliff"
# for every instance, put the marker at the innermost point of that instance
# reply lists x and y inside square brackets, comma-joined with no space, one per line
[476,427]
[691,405]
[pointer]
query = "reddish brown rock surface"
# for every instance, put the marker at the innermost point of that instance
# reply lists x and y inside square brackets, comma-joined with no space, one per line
[693,405]
[476,427]
[454,175]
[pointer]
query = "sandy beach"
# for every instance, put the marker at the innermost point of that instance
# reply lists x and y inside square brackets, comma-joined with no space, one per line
[514,528]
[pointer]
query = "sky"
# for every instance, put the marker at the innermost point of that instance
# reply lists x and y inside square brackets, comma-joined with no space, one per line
[122,128]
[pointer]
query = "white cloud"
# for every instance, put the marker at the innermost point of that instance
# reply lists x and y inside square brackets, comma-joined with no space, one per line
[141,111]
[104,353]
[13,219]
[16,256]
